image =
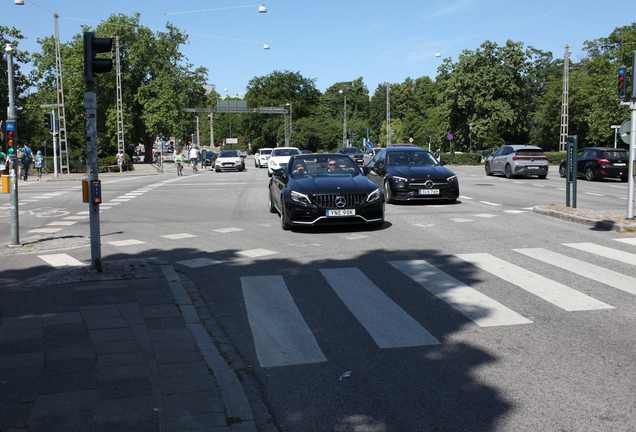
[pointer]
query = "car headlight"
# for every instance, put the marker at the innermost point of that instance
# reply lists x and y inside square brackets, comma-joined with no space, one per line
[272,162]
[399,179]
[452,179]
[374,196]
[299,198]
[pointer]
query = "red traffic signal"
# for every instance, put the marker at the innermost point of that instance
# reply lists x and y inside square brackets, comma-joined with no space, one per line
[622,85]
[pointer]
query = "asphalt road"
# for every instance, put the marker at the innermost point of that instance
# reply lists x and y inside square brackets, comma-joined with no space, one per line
[480,315]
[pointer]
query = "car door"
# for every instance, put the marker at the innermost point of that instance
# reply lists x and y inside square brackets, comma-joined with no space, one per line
[582,158]
[496,163]
[377,168]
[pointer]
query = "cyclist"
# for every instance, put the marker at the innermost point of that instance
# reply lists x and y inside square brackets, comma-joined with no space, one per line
[194,158]
[179,160]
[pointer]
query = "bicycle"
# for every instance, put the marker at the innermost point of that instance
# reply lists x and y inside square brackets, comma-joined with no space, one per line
[195,167]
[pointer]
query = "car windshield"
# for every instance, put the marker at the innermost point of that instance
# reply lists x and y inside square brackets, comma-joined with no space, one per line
[228,153]
[285,152]
[266,152]
[319,166]
[352,150]
[414,158]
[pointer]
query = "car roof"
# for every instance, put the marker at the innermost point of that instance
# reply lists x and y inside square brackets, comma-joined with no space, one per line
[603,149]
[524,146]
[403,145]
[405,148]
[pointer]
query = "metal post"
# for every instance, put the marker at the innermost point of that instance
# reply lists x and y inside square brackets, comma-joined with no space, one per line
[90,106]
[54,134]
[344,129]
[11,119]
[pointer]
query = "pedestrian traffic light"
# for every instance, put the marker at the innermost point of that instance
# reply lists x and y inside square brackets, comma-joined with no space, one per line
[622,84]
[48,122]
[10,138]
[92,64]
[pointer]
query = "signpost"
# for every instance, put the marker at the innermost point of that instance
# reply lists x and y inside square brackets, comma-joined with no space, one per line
[570,175]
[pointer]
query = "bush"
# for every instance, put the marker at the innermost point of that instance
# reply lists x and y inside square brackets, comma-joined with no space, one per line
[555,158]
[461,158]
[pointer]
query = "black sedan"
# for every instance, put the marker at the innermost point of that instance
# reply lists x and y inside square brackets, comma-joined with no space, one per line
[412,174]
[597,162]
[324,189]
[354,152]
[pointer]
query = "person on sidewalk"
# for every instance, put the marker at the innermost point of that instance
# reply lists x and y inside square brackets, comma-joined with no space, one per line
[120,160]
[27,155]
[39,159]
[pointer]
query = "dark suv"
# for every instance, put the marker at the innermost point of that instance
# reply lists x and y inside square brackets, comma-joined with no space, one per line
[353,152]
[594,163]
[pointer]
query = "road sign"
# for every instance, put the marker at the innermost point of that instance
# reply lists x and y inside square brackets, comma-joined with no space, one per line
[368,145]
[625,130]
[450,136]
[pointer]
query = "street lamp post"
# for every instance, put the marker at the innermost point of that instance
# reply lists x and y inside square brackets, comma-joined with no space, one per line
[344,125]
[470,135]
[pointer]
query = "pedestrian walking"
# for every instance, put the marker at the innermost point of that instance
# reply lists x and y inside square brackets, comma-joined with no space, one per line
[39,159]
[120,160]
[438,152]
[179,160]
[27,155]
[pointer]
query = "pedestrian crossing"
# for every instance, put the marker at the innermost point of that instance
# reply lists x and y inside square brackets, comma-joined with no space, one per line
[282,337]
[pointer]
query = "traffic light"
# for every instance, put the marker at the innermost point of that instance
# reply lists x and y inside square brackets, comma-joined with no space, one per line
[622,84]
[10,138]
[92,64]
[48,123]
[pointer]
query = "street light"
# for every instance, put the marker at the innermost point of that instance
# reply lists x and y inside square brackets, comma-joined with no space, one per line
[470,134]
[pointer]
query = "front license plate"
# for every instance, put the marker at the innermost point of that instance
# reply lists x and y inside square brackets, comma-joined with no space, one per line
[533,167]
[348,212]
[429,192]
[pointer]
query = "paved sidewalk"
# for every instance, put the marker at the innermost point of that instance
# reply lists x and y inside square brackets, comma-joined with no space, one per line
[120,350]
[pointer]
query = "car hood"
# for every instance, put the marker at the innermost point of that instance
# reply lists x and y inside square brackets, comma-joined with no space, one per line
[344,184]
[416,171]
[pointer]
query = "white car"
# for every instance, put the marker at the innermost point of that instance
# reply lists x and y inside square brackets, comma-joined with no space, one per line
[280,158]
[229,159]
[262,157]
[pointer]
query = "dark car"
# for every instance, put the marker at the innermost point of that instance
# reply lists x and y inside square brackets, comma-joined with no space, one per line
[354,152]
[368,155]
[594,163]
[324,189]
[210,158]
[412,174]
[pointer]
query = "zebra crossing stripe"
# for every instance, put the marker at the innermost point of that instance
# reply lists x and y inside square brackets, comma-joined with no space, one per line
[590,271]
[551,291]
[387,323]
[626,257]
[476,306]
[281,336]
[60,260]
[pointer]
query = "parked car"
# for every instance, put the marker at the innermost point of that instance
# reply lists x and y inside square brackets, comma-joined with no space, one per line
[309,191]
[305,151]
[229,159]
[595,163]
[210,158]
[279,158]
[518,160]
[368,155]
[243,153]
[353,152]
[412,174]
[262,157]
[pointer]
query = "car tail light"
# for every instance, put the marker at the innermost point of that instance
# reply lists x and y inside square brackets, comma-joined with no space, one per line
[602,161]
[529,157]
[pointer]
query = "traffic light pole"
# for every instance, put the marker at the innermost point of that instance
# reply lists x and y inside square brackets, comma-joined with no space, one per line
[632,141]
[12,125]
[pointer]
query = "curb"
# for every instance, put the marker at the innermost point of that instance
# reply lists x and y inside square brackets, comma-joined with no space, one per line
[596,219]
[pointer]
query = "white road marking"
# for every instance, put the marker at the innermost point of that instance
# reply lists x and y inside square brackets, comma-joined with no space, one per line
[474,305]
[590,271]
[45,230]
[631,241]
[460,220]
[61,223]
[199,262]
[125,242]
[626,257]
[178,236]
[465,197]
[61,260]
[255,253]
[387,323]
[514,211]
[490,204]
[77,217]
[227,230]
[485,215]
[553,292]
[281,335]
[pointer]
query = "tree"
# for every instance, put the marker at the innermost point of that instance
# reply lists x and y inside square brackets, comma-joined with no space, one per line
[20,81]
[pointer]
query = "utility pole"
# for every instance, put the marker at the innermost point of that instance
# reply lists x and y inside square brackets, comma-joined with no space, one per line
[622,92]
[12,140]
[61,115]
[120,108]
[565,101]
[388,114]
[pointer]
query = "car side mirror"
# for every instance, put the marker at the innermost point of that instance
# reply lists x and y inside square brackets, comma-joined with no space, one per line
[278,172]
[442,163]
[366,170]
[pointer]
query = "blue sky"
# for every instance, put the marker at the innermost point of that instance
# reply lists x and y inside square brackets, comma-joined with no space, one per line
[334,40]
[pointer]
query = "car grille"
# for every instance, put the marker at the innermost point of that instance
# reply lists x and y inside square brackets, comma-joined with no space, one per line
[329,201]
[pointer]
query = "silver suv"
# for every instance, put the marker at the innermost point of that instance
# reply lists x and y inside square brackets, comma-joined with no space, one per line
[518,160]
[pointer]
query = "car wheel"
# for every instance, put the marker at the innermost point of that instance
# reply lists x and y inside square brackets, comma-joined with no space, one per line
[388,194]
[451,201]
[283,217]
[542,176]
[624,179]
[562,171]
[269,174]
[255,164]
[241,168]
[487,167]
[589,174]
[508,171]
[217,169]
[272,209]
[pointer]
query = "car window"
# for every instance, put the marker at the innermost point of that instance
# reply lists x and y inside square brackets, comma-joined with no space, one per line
[616,154]
[498,152]
[352,150]
[228,153]
[506,151]
[266,152]
[530,152]
[318,166]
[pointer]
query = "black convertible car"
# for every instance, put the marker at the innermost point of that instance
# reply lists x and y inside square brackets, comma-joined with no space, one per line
[324,189]
[412,174]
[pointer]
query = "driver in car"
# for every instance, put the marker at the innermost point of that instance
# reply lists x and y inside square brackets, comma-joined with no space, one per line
[299,168]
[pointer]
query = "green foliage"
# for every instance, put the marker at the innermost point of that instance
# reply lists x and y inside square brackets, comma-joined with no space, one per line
[461,158]
[555,158]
